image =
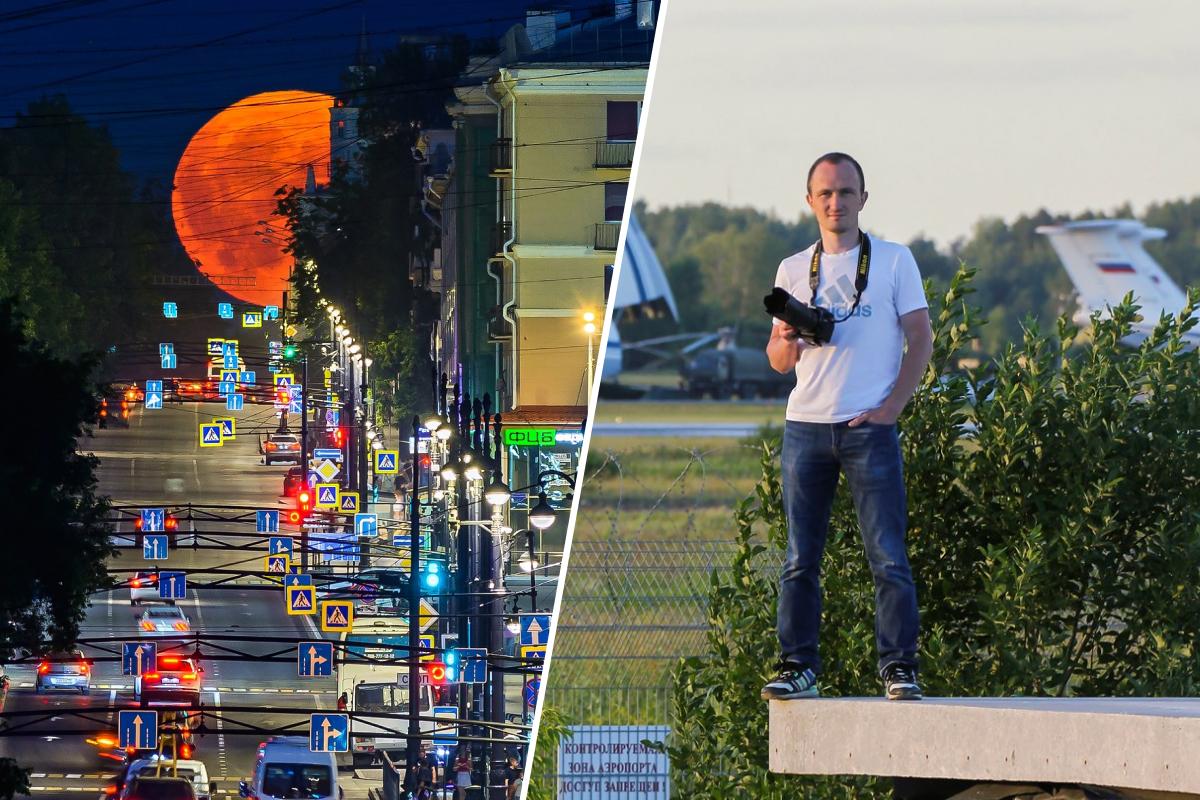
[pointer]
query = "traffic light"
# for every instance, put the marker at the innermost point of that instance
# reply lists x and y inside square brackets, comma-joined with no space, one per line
[433,577]
[304,506]
[436,670]
[452,661]
[289,351]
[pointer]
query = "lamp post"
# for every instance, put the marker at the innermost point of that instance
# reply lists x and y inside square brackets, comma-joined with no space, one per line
[589,327]
[414,603]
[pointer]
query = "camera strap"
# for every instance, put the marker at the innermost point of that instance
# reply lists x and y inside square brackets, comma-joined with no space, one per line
[860,277]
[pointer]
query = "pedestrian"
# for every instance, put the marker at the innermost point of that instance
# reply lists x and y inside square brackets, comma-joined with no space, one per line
[343,702]
[462,773]
[512,777]
[841,418]
[426,775]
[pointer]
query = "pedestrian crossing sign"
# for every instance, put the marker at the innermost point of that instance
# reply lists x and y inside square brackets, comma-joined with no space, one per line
[337,616]
[387,462]
[216,347]
[276,564]
[348,502]
[210,435]
[252,319]
[428,641]
[327,495]
[228,427]
[301,600]
[284,379]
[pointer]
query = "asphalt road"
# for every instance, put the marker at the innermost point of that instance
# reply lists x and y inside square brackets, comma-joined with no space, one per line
[158,461]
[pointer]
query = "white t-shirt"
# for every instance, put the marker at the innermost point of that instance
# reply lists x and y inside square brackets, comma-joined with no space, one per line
[855,371]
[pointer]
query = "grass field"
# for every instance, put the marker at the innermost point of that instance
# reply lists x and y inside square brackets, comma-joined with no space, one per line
[760,412]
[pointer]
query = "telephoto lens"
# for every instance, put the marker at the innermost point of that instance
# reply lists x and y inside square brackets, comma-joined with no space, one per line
[815,324]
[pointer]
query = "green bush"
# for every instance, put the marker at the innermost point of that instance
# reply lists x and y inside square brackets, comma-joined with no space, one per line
[1053,533]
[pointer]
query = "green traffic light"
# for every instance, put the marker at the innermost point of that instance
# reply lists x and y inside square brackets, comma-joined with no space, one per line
[289,351]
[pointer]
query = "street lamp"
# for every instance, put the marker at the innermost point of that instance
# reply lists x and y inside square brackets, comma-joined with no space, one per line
[433,422]
[542,515]
[497,493]
[444,433]
[589,327]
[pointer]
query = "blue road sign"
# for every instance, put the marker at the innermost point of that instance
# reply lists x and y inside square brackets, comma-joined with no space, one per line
[215,346]
[230,375]
[170,310]
[138,657]
[226,388]
[168,361]
[277,563]
[366,524]
[235,402]
[138,729]
[252,319]
[314,659]
[210,435]
[403,538]
[153,520]
[445,730]
[385,462]
[172,585]
[329,733]
[229,362]
[327,496]
[165,347]
[270,312]
[280,545]
[300,600]
[274,367]
[247,376]
[225,310]
[295,399]
[474,664]
[297,579]
[154,546]
[531,691]
[154,386]
[154,400]
[535,629]
[267,522]
[226,428]
[229,348]
[331,453]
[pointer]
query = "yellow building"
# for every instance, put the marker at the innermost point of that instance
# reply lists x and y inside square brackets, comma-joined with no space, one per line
[562,164]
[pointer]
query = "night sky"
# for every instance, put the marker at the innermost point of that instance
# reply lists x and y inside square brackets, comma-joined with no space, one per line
[154,71]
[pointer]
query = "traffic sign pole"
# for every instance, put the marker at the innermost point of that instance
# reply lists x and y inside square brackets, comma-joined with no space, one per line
[414,602]
[303,451]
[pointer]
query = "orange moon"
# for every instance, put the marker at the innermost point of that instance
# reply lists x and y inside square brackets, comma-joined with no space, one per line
[225,188]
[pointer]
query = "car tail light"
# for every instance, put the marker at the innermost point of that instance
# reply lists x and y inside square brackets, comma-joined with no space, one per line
[169,660]
[137,524]
[171,523]
[147,625]
[185,751]
[110,789]
[189,676]
[129,395]
[181,626]
[270,446]
[83,669]
[104,412]
[43,668]
[136,583]
[150,676]
[195,387]
[125,413]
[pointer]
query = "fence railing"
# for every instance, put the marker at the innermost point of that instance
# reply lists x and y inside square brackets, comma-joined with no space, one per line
[618,155]
[607,235]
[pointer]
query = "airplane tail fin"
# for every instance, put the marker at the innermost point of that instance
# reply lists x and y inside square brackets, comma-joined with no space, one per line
[1106,259]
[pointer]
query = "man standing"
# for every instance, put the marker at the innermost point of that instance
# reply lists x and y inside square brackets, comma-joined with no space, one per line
[841,418]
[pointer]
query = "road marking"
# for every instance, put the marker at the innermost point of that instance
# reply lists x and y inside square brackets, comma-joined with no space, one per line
[221,755]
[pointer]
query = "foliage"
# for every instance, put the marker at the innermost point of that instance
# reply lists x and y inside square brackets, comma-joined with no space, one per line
[1052,532]
[79,240]
[48,494]
[14,780]
[707,248]
[552,728]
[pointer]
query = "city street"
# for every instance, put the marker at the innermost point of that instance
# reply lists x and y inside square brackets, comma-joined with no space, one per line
[157,461]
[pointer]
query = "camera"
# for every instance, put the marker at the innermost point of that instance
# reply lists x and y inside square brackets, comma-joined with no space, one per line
[814,323]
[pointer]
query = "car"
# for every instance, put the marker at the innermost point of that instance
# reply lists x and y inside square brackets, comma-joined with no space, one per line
[163,621]
[293,481]
[147,788]
[175,681]
[281,447]
[189,769]
[63,670]
[114,409]
[108,748]
[143,586]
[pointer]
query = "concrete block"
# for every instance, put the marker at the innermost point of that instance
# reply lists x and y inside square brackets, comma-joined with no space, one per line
[1148,744]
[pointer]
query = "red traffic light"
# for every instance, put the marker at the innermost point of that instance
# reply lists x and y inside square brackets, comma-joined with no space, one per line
[436,671]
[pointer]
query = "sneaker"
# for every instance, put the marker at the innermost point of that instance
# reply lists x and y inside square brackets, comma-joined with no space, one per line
[791,682]
[900,682]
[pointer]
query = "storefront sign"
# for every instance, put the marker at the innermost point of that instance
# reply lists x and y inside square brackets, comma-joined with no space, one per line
[529,437]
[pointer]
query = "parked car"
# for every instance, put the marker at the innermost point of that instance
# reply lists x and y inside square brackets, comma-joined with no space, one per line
[62,670]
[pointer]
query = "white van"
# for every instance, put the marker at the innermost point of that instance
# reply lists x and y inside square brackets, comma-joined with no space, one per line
[286,768]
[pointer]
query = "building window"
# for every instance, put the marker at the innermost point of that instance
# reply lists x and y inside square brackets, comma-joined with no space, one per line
[341,129]
[614,201]
[623,120]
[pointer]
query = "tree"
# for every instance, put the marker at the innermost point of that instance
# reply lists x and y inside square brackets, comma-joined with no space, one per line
[57,535]
[1054,542]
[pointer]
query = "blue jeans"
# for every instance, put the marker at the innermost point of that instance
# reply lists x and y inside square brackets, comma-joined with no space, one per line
[813,455]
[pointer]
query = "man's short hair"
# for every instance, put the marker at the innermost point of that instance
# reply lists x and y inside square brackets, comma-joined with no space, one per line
[837,158]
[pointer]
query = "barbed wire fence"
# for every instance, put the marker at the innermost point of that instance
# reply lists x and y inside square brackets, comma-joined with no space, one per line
[648,536]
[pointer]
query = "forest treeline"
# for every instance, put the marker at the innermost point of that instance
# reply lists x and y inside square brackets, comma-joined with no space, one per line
[720,261]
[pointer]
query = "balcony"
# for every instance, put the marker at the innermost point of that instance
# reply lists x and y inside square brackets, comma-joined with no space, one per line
[607,234]
[501,157]
[615,155]
[501,233]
